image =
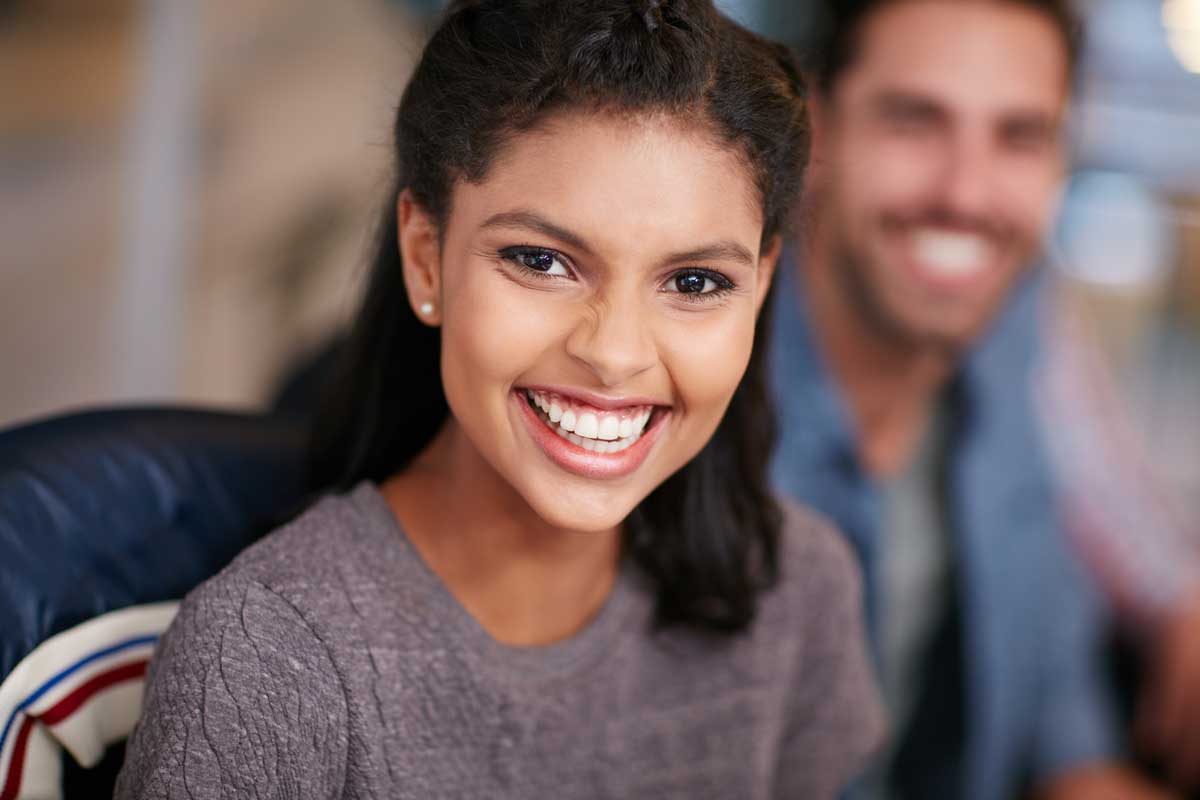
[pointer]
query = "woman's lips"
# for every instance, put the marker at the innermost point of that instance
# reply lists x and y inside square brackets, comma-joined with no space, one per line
[602,430]
[586,440]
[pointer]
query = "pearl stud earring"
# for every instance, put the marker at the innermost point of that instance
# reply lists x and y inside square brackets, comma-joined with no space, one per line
[426,309]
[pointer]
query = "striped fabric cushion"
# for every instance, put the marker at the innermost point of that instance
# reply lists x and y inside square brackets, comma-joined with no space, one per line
[79,691]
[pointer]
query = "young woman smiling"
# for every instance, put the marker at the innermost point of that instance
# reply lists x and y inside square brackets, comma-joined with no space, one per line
[552,567]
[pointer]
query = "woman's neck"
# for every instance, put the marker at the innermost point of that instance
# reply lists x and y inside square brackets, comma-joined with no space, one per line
[525,581]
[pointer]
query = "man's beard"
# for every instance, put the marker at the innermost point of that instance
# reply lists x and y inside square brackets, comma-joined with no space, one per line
[866,303]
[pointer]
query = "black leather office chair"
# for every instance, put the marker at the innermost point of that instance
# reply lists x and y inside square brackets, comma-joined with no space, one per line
[107,519]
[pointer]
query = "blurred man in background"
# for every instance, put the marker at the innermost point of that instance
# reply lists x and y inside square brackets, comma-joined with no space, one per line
[906,342]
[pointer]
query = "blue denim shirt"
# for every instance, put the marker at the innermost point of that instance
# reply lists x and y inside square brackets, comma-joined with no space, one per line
[1033,627]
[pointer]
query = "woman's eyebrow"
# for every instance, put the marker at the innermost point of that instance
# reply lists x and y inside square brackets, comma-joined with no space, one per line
[531,220]
[526,219]
[726,250]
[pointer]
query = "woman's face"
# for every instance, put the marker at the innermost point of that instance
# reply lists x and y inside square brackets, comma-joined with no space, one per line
[597,295]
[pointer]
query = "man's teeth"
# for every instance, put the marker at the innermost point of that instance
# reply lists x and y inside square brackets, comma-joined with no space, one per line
[951,254]
[591,429]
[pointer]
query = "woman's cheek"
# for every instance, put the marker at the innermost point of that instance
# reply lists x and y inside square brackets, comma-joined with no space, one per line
[706,358]
[505,328]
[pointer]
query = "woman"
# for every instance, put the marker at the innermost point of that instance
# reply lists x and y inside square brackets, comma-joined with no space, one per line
[554,568]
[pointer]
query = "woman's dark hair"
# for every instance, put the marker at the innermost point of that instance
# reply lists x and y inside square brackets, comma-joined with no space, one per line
[708,536]
[842,23]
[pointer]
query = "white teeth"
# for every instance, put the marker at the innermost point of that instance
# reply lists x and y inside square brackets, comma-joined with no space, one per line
[951,254]
[587,425]
[610,428]
[595,432]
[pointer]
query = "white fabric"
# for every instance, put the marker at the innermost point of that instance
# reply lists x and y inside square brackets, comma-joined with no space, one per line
[61,665]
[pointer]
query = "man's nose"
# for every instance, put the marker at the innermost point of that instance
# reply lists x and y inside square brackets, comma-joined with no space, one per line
[613,340]
[968,178]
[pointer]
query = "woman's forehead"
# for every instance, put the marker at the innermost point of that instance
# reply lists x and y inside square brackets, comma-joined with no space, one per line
[653,177]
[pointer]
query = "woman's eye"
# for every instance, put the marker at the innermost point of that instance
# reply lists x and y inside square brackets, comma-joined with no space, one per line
[694,283]
[545,262]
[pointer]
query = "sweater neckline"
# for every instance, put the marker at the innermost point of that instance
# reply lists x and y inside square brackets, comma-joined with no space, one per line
[518,663]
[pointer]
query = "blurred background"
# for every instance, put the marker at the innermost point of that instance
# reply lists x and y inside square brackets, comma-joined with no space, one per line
[187,192]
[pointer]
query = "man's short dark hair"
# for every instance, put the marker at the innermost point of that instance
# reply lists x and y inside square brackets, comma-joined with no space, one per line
[843,22]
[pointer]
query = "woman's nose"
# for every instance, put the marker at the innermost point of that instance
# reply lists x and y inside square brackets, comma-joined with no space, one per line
[613,341]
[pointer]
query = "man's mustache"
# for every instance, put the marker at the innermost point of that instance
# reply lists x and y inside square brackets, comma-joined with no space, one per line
[940,217]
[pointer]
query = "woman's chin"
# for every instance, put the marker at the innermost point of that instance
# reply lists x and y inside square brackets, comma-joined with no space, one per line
[592,512]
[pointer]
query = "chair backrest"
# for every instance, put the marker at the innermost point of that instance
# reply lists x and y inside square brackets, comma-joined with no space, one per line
[107,518]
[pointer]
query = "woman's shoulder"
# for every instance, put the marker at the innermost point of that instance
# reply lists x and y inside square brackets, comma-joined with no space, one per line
[819,585]
[334,525]
[815,558]
[250,635]
[834,711]
[327,547]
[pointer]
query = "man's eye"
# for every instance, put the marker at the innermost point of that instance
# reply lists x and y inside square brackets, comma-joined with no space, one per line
[546,262]
[1028,139]
[910,121]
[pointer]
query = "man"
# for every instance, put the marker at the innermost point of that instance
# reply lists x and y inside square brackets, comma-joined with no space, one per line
[905,341]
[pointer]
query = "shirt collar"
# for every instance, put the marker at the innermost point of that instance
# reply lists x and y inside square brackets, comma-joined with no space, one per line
[812,411]
[813,414]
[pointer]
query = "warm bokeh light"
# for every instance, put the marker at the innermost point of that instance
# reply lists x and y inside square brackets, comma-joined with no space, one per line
[1181,18]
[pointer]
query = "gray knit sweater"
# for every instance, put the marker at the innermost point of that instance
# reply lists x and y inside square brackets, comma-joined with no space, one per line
[328,661]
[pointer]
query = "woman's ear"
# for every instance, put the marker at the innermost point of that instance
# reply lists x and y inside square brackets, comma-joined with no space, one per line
[767,262]
[420,253]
